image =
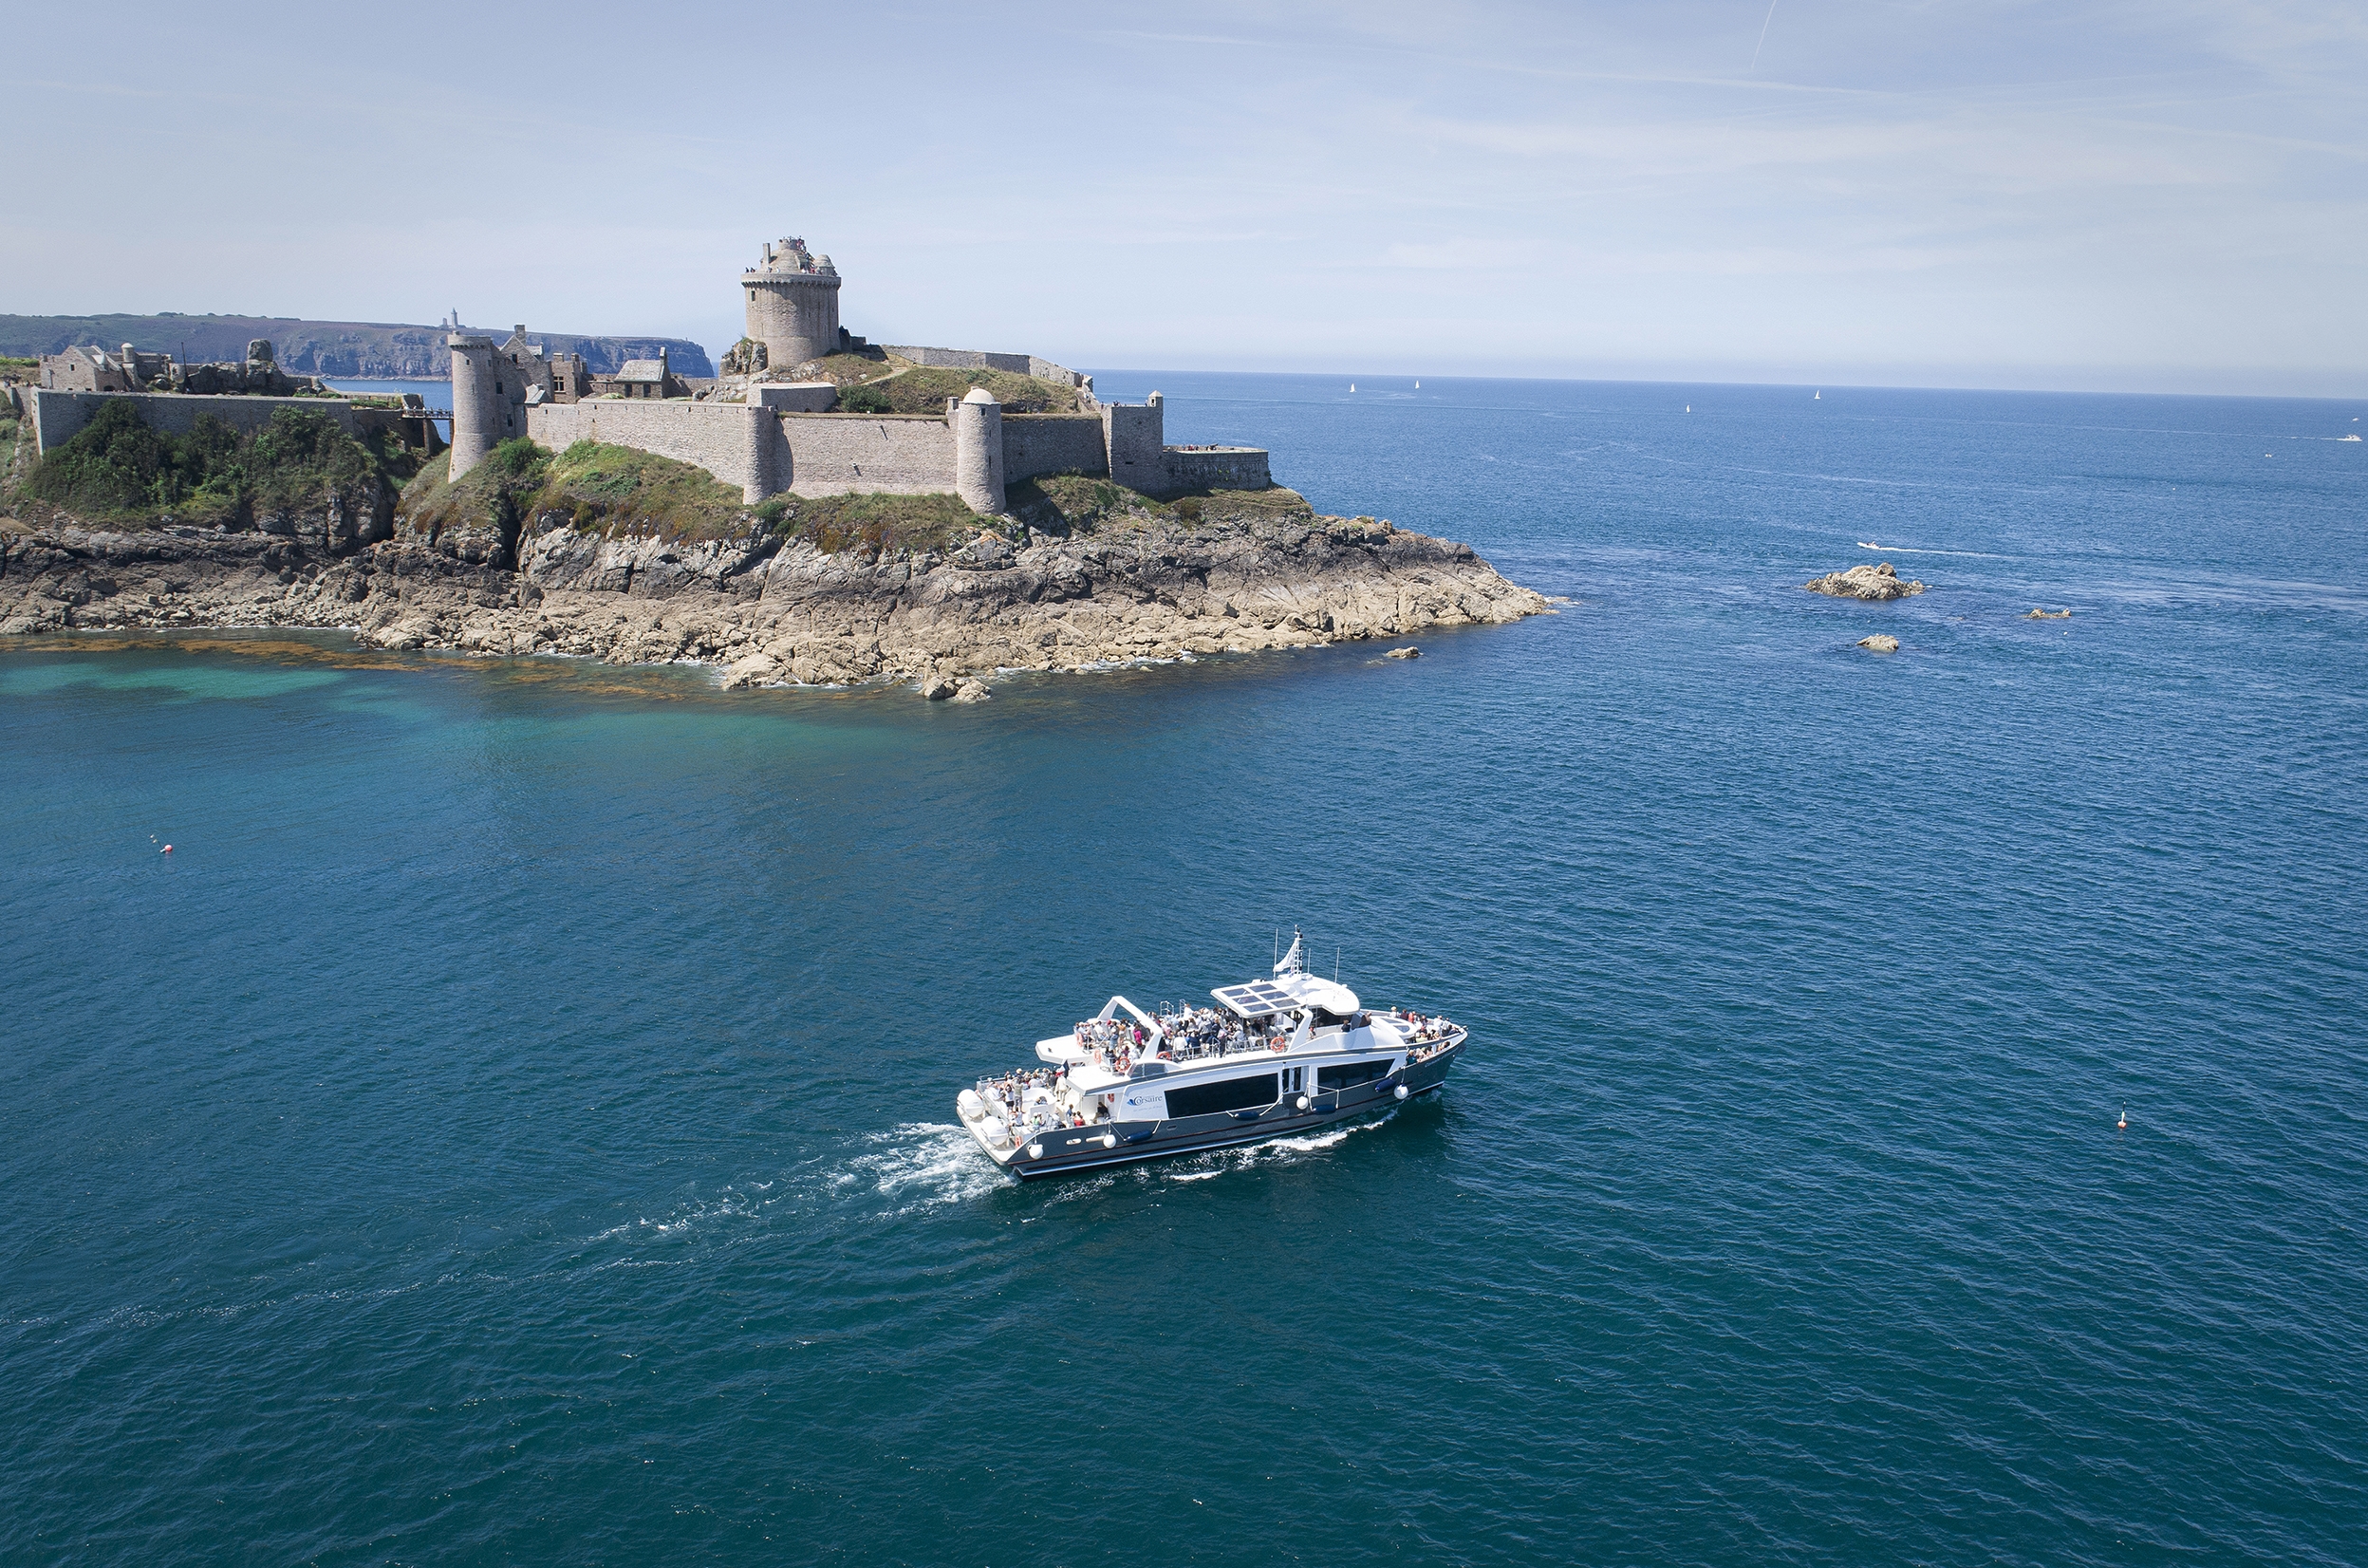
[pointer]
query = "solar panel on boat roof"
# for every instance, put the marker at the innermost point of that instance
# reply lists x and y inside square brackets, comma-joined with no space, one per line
[1255,997]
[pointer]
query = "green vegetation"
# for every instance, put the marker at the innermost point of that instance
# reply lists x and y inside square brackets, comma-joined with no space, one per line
[118,470]
[925,391]
[598,489]
[881,523]
[863,399]
[848,369]
[1077,503]
[12,365]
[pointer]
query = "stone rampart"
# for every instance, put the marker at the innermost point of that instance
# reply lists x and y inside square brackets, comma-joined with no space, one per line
[1216,468]
[712,436]
[1035,444]
[57,416]
[832,454]
[966,359]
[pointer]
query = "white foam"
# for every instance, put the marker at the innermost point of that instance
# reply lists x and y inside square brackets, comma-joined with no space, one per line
[924,1165]
[1277,1149]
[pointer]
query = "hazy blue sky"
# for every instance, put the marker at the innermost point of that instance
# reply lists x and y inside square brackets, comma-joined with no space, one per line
[2159,196]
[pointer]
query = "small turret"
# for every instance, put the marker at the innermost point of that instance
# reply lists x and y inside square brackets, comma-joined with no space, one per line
[978,452]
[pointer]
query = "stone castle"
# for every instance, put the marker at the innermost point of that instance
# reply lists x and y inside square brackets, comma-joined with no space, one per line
[784,436]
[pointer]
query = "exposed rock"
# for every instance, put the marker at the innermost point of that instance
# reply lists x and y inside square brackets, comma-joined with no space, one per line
[765,611]
[1876,582]
[1880,643]
[755,670]
[1404,653]
[2038,614]
[937,688]
[973,691]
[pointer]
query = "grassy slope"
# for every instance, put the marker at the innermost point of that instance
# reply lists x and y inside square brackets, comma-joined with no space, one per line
[598,489]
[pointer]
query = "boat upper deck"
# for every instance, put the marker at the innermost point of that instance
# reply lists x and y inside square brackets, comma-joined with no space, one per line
[1123,1043]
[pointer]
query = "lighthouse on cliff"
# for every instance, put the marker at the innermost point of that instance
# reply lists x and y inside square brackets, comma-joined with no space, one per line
[792,305]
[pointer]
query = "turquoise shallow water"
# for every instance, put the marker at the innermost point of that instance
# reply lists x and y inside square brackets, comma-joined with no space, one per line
[514,1125]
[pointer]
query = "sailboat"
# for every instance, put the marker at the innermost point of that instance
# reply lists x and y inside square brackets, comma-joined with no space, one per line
[1352,386]
[1816,397]
[1418,386]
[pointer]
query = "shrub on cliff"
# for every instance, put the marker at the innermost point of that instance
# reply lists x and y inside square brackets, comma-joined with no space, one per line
[118,469]
[873,522]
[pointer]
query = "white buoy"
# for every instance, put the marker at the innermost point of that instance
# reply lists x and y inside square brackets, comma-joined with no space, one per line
[1035,1152]
[1401,1092]
[1109,1140]
[1302,1102]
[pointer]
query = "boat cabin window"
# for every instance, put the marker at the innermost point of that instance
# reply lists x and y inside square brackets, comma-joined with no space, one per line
[1226,1094]
[1332,1078]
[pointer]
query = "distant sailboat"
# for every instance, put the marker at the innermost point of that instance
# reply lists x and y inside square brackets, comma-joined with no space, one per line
[1816,397]
[1418,386]
[1689,408]
[1352,386]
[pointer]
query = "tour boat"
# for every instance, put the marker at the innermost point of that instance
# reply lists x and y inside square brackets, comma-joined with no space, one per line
[1274,1058]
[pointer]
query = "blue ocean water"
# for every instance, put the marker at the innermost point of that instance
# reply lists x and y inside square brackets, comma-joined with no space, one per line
[514,1124]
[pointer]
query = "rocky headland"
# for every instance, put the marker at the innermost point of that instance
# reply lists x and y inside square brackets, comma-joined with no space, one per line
[628,559]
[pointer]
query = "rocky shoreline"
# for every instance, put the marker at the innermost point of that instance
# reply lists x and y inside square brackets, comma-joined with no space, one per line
[768,611]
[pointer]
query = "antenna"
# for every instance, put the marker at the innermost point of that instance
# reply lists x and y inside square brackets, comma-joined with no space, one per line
[1335,966]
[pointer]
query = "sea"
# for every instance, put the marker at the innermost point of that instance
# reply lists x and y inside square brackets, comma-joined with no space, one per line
[1914,1113]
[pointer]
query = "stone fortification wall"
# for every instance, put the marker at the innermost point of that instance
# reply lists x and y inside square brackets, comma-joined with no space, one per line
[963,359]
[1037,444]
[1216,468]
[1133,434]
[832,454]
[57,416]
[708,435]
[764,451]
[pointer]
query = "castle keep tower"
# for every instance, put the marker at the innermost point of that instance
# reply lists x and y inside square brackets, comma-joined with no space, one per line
[792,305]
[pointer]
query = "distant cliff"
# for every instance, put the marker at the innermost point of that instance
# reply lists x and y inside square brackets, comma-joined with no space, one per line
[367,349]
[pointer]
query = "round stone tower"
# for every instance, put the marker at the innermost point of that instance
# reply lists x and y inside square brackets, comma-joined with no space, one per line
[477,409]
[978,452]
[792,305]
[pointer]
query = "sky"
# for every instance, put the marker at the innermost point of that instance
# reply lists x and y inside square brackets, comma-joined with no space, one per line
[2163,196]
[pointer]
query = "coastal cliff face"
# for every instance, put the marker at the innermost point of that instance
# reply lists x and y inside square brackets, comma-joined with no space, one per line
[771,610]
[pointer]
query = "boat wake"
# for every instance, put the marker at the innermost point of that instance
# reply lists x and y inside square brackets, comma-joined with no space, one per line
[1911,550]
[1203,1168]
[919,1166]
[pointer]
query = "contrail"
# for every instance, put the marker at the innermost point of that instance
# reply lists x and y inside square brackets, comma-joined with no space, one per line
[1764,36]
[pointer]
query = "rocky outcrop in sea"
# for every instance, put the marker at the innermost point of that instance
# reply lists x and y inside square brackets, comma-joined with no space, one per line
[1878,582]
[767,610]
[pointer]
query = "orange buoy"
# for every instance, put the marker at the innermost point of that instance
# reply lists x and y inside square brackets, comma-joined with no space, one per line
[168,849]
